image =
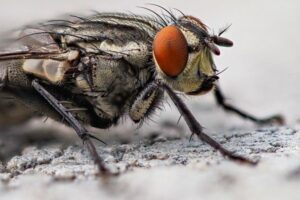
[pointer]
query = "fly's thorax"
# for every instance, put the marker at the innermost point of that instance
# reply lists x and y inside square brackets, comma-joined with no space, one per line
[110,85]
[134,52]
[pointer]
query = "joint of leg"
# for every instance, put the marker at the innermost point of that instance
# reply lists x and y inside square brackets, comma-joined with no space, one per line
[145,103]
[219,97]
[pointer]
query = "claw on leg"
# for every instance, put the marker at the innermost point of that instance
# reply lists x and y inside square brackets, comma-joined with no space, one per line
[278,119]
[196,128]
[74,123]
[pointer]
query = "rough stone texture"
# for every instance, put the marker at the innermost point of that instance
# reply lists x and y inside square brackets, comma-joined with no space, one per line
[160,167]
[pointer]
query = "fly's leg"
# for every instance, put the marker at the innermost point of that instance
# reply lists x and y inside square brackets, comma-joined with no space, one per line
[146,102]
[74,123]
[196,128]
[227,107]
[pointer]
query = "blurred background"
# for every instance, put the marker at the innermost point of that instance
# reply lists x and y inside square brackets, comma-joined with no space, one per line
[263,66]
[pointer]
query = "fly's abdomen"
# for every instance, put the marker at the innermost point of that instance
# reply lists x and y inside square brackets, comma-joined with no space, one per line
[12,110]
[14,74]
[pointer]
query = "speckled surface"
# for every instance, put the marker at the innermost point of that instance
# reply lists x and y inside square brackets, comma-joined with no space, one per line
[160,167]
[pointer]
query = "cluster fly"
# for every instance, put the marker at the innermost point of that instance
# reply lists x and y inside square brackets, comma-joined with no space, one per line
[94,70]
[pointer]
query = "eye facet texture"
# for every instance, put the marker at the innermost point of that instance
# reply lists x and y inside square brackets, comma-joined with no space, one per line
[170,50]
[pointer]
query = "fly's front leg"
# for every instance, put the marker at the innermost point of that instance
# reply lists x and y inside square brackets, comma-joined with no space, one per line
[196,128]
[221,101]
[74,123]
[146,102]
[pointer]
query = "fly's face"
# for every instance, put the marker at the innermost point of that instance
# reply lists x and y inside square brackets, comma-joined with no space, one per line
[183,55]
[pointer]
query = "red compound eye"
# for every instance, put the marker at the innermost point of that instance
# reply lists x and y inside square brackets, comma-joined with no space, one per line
[170,50]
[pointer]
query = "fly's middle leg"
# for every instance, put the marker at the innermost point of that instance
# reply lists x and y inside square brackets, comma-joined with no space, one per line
[227,107]
[74,123]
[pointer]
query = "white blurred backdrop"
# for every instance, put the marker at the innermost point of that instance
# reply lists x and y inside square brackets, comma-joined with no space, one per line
[263,73]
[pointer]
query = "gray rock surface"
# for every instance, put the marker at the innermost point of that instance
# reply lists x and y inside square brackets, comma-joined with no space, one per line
[160,167]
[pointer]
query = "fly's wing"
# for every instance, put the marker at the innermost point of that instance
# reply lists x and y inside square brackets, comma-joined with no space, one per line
[42,56]
[31,44]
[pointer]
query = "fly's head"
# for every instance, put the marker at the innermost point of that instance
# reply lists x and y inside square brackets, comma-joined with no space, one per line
[182,54]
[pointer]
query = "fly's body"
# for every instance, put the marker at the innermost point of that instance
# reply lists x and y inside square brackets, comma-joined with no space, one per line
[94,70]
[103,75]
